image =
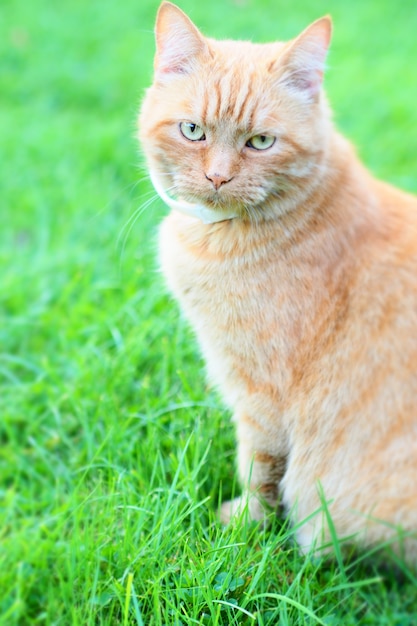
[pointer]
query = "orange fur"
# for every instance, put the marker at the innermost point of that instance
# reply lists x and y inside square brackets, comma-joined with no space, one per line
[305,304]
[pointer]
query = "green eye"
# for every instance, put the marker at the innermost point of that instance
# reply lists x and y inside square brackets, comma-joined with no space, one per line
[261,142]
[192,131]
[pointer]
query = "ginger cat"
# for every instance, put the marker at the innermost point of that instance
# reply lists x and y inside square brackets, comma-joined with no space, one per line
[298,272]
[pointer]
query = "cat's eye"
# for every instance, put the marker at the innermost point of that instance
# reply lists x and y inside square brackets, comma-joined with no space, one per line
[191,131]
[261,142]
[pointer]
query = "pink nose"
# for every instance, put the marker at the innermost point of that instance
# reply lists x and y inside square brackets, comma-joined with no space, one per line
[217,180]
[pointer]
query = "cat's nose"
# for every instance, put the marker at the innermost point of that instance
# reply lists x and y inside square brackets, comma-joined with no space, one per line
[218,180]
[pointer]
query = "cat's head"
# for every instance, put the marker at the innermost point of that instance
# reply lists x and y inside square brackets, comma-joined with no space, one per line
[232,125]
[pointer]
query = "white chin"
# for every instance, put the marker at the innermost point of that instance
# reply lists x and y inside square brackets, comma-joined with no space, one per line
[203,213]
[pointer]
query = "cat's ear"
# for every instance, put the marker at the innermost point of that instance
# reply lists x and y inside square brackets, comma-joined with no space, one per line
[178,41]
[303,62]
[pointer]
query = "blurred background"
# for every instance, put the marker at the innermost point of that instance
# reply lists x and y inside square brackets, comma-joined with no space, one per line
[94,358]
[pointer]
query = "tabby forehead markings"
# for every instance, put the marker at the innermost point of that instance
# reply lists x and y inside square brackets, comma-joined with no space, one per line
[229,100]
[245,106]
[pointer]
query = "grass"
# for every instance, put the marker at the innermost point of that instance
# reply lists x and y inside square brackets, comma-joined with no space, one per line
[114,454]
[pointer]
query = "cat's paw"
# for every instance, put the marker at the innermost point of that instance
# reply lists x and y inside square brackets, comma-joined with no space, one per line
[249,506]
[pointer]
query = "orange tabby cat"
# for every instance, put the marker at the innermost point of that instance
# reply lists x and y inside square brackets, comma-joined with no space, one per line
[298,272]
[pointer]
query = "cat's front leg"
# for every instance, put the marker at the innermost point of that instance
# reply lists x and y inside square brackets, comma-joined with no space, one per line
[261,467]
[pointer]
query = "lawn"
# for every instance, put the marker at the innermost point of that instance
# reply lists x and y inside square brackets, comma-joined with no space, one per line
[114,452]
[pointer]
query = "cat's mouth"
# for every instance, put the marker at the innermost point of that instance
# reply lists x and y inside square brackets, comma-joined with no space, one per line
[208,215]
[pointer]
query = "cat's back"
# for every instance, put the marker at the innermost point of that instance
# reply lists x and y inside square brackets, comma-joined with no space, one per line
[399,210]
[391,267]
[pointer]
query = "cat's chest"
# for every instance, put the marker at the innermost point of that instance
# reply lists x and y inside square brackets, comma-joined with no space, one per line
[205,279]
[248,290]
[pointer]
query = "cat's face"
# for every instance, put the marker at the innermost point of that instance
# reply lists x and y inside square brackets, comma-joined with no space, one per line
[234,124]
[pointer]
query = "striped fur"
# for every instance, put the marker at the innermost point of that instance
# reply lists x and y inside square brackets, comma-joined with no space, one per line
[305,306]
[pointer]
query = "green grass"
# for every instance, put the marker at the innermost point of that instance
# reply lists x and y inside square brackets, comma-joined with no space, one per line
[114,454]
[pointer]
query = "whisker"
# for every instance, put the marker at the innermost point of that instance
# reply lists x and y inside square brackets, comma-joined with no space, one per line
[127,227]
[130,223]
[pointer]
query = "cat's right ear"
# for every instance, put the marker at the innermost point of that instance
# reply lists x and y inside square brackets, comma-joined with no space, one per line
[303,61]
[178,41]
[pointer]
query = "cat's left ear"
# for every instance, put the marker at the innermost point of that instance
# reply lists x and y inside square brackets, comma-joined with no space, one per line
[303,62]
[178,41]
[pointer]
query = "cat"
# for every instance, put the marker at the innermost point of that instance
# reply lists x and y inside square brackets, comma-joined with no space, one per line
[298,273]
